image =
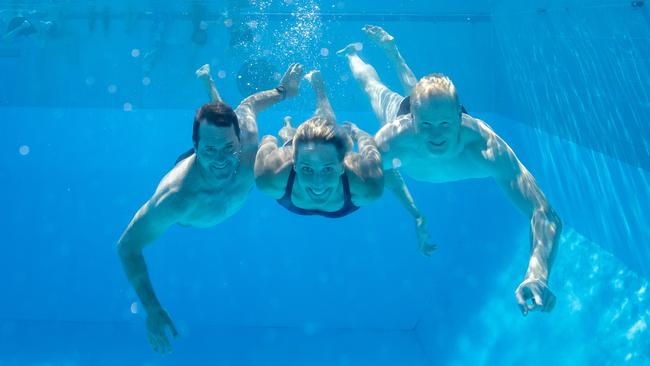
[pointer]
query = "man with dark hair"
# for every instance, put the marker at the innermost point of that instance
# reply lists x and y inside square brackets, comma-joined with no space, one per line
[208,184]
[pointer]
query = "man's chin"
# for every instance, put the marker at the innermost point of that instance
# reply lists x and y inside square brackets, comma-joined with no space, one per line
[224,173]
[438,150]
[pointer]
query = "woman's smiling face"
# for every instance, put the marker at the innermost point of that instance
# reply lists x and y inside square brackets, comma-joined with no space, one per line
[318,170]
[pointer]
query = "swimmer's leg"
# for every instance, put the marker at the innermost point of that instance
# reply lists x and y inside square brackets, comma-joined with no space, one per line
[22,27]
[203,73]
[323,106]
[387,42]
[385,102]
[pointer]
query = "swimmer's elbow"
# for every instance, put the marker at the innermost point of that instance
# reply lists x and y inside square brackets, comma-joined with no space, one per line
[549,219]
[127,244]
[555,221]
[124,248]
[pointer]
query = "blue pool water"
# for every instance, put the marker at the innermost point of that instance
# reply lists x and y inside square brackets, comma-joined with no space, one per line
[94,114]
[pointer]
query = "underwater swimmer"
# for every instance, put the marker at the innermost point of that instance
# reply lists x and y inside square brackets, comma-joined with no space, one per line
[204,188]
[434,141]
[316,172]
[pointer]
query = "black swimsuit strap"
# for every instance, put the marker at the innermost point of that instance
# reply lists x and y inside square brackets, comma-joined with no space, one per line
[347,195]
[289,188]
[405,107]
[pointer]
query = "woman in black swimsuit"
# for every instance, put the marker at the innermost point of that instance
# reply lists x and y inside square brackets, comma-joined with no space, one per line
[316,171]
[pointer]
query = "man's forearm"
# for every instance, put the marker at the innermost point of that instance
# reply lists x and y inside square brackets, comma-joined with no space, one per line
[137,274]
[546,228]
[396,184]
[263,100]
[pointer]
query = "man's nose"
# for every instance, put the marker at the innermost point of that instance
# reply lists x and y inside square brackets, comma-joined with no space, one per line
[223,154]
[437,132]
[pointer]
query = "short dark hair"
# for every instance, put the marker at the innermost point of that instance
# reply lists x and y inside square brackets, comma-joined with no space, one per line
[217,113]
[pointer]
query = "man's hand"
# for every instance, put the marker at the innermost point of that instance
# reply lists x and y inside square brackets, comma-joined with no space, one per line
[537,291]
[291,79]
[426,247]
[158,321]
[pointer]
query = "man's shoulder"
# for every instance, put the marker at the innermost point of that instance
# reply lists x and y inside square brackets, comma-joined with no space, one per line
[477,134]
[487,148]
[395,131]
[174,189]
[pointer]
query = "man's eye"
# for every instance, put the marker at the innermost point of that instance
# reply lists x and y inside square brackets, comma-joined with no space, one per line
[444,124]
[426,124]
[306,169]
[328,169]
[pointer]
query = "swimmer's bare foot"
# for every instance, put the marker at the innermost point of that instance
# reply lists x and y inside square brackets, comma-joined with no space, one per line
[350,49]
[314,78]
[379,35]
[382,38]
[203,72]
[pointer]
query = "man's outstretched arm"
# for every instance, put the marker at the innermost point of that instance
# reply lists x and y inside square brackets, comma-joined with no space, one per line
[545,226]
[151,220]
[397,185]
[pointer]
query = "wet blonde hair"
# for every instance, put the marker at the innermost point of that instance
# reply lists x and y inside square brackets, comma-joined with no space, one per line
[434,85]
[318,129]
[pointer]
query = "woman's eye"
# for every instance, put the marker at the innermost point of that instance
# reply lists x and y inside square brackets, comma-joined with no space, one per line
[444,124]
[426,124]
[306,169]
[328,169]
